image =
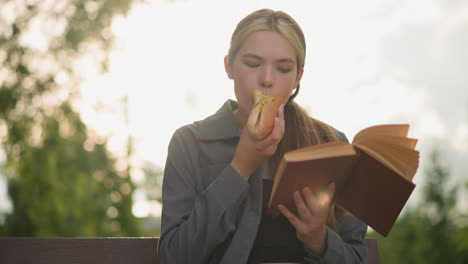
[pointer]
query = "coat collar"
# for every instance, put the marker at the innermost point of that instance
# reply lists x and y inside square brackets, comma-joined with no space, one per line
[220,126]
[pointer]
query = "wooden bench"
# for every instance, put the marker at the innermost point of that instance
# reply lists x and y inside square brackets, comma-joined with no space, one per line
[95,250]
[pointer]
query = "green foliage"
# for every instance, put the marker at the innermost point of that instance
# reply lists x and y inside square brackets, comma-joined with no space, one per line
[61,189]
[428,233]
[57,186]
[461,236]
[153,181]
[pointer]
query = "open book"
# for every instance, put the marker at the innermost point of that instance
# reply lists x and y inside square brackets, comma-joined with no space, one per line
[373,175]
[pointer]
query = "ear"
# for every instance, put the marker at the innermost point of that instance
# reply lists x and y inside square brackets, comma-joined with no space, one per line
[227,66]
[298,78]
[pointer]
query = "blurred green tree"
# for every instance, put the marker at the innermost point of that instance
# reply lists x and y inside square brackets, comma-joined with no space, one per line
[153,181]
[428,233]
[151,186]
[61,179]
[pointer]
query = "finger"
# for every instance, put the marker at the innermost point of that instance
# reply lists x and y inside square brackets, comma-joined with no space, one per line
[281,112]
[302,209]
[278,130]
[278,127]
[273,138]
[296,222]
[281,117]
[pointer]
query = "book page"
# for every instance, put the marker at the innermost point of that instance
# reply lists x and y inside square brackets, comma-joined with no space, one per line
[403,160]
[409,143]
[326,150]
[398,130]
[319,147]
[376,155]
[406,158]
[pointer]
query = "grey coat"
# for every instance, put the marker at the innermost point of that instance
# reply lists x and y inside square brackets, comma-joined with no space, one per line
[211,214]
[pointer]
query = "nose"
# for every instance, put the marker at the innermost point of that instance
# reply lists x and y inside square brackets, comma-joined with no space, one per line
[267,78]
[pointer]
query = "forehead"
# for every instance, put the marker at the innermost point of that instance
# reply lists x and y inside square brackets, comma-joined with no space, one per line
[268,45]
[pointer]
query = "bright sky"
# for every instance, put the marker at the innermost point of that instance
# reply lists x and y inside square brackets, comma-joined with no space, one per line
[368,62]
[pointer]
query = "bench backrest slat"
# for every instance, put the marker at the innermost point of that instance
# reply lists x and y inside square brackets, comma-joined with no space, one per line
[95,250]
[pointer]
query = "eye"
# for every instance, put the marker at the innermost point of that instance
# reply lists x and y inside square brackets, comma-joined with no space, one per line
[252,65]
[284,70]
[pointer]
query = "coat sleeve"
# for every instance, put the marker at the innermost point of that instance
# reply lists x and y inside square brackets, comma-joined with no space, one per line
[346,246]
[196,220]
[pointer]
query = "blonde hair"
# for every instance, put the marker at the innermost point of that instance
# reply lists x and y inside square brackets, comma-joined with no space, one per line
[301,129]
[267,19]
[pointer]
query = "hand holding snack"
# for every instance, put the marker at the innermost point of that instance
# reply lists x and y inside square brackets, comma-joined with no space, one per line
[261,134]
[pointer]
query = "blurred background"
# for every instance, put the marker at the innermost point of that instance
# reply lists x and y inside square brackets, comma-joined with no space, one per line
[92,90]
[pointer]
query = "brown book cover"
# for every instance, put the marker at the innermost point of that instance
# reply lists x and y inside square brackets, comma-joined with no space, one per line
[373,175]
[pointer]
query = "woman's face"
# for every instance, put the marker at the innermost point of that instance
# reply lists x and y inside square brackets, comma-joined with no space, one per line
[265,61]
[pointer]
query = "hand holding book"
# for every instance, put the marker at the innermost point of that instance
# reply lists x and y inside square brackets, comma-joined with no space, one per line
[312,213]
[373,175]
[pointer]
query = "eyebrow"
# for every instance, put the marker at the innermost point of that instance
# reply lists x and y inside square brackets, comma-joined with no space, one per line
[254,56]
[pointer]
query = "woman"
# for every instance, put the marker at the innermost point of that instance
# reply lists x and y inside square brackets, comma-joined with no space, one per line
[218,176]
